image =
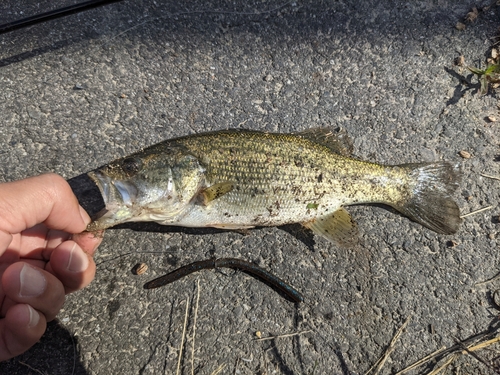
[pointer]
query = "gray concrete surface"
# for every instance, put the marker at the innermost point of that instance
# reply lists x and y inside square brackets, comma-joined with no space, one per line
[78,92]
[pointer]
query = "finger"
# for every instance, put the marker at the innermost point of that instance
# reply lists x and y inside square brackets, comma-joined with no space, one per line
[42,199]
[21,328]
[72,266]
[38,242]
[88,241]
[23,283]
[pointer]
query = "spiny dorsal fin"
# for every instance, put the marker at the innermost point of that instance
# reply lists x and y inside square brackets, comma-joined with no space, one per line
[337,227]
[336,140]
[215,191]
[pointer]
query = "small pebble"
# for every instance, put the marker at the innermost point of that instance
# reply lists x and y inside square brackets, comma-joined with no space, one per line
[472,15]
[258,334]
[432,331]
[460,26]
[492,118]
[140,268]
[460,60]
[465,154]
[496,298]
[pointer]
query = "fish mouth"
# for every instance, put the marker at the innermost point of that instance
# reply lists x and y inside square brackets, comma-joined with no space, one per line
[118,196]
[114,191]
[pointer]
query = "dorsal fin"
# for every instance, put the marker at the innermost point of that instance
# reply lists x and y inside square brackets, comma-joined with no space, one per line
[336,140]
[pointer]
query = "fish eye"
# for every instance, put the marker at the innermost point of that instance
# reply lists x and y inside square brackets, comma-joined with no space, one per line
[131,166]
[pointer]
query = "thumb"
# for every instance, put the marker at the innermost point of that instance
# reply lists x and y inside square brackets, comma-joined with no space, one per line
[21,328]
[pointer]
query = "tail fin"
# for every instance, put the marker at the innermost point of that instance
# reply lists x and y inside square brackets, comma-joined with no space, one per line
[429,201]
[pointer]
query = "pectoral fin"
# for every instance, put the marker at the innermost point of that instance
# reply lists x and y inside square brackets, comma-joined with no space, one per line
[337,227]
[215,191]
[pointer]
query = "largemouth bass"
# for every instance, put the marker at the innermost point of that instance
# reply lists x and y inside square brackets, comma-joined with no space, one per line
[237,179]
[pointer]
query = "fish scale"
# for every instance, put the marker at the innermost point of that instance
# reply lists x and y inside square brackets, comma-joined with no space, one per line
[288,173]
[257,170]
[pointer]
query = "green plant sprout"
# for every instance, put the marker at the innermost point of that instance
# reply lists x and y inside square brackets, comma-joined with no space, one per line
[489,75]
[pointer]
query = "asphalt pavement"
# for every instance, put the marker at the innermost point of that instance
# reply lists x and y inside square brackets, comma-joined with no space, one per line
[78,92]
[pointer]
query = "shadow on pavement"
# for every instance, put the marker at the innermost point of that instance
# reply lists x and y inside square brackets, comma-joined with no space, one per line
[63,359]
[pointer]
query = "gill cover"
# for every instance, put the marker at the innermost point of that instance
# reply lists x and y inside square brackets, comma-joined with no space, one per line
[155,184]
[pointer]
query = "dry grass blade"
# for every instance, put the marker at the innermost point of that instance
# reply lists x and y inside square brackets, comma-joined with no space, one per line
[484,344]
[444,366]
[494,278]
[194,323]
[31,368]
[74,354]
[380,363]
[282,336]
[488,176]
[421,361]
[475,356]
[467,346]
[177,372]
[477,211]
[219,369]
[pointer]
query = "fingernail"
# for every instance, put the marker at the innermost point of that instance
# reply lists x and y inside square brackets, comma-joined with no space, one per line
[78,260]
[34,316]
[85,216]
[32,282]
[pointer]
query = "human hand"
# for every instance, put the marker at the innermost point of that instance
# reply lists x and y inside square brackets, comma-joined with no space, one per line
[43,256]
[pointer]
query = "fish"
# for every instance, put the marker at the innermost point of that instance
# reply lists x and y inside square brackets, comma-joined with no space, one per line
[240,179]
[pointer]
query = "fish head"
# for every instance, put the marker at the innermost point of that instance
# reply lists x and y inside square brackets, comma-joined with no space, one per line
[156,184]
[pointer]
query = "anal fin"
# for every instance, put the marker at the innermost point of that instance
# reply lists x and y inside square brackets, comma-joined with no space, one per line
[337,227]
